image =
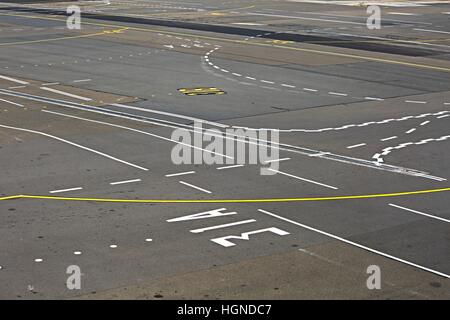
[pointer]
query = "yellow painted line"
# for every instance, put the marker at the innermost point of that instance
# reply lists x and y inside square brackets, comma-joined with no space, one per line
[263,200]
[345,55]
[64,38]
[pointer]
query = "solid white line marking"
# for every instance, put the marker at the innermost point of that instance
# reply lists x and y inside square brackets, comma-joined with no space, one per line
[179,174]
[132,129]
[126,181]
[437,31]
[304,18]
[303,179]
[222,226]
[13,80]
[78,146]
[66,190]
[230,167]
[13,103]
[195,187]
[66,94]
[356,145]
[404,14]
[389,138]
[17,87]
[418,212]
[354,243]
[175,115]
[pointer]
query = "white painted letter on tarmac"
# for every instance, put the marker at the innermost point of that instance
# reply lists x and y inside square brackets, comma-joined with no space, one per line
[223,241]
[204,215]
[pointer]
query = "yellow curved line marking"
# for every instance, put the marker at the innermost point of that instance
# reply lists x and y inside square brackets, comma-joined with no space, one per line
[65,38]
[322,52]
[263,200]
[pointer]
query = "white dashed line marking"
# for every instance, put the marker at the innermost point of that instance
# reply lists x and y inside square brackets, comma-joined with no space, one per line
[125,181]
[230,167]
[66,190]
[415,101]
[303,179]
[195,187]
[356,145]
[179,174]
[277,160]
[338,94]
[389,138]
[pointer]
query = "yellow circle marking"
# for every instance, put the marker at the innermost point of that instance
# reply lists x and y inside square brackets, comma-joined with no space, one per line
[263,200]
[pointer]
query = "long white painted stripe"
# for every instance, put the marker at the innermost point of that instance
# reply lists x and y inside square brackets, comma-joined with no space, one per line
[303,18]
[436,31]
[66,190]
[303,179]
[418,212]
[220,125]
[222,226]
[354,244]
[13,103]
[13,80]
[66,94]
[302,151]
[134,130]
[195,187]
[179,174]
[77,145]
[125,181]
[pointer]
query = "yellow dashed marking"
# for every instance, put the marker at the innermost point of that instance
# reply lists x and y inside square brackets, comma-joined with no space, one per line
[201,91]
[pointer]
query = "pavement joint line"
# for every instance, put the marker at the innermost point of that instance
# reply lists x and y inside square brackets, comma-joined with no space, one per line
[339,54]
[206,201]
